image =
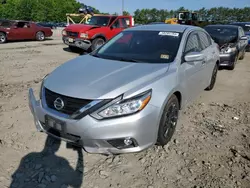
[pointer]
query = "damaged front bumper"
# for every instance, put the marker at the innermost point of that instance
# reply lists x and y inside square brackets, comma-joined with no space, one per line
[77,42]
[227,59]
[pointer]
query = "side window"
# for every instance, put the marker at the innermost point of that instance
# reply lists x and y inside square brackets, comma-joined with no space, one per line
[242,32]
[192,44]
[124,23]
[117,24]
[112,19]
[20,24]
[204,40]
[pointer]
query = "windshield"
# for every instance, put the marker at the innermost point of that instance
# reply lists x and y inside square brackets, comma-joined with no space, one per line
[223,34]
[98,20]
[141,46]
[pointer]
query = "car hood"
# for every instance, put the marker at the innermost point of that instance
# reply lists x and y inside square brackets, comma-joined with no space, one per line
[80,27]
[89,77]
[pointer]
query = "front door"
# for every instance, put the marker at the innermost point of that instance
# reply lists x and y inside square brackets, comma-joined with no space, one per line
[116,27]
[23,31]
[192,80]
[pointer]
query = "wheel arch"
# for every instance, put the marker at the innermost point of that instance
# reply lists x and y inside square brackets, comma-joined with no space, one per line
[99,35]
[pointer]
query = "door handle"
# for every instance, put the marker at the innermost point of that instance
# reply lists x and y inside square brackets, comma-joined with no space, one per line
[203,62]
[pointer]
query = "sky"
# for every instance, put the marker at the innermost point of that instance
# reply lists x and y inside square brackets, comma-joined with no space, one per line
[113,6]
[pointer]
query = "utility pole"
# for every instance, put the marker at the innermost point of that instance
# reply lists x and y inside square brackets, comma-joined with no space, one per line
[122,7]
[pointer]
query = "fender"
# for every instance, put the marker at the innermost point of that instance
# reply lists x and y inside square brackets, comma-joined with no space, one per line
[99,35]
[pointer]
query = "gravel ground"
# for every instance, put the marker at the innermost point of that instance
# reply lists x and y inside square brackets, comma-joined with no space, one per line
[210,149]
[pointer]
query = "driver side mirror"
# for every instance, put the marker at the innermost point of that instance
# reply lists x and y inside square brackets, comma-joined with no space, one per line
[15,27]
[244,38]
[111,27]
[193,56]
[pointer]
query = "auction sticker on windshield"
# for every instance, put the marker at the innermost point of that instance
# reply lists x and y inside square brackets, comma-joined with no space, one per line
[163,33]
[164,56]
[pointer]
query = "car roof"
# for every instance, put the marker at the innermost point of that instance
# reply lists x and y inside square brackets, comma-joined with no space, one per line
[223,26]
[164,27]
[240,23]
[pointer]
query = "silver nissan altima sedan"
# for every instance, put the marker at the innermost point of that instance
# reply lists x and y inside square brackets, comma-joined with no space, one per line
[126,95]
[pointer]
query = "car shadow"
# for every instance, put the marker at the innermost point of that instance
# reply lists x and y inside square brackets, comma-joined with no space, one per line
[77,51]
[47,170]
[20,41]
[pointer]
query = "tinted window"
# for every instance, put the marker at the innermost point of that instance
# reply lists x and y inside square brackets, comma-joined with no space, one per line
[98,20]
[205,41]
[192,44]
[117,24]
[5,24]
[22,24]
[112,19]
[144,46]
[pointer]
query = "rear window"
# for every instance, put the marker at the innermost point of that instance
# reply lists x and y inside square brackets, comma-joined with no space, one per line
[142,46]
[5,24]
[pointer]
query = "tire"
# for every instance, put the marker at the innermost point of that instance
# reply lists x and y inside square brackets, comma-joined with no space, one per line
[213,78]
[97,43]
[3,38]
[167,128]
[40,36]
[234,63]
[243,55]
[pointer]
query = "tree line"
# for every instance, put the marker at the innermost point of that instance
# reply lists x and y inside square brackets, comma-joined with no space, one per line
[55,10]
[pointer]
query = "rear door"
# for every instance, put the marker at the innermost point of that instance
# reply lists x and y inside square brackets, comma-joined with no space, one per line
[209,53]
[193,81]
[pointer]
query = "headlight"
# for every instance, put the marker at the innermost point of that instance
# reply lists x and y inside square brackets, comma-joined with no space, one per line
[124,107]
[84,35]
[64,32]
[41,87]
[229,50]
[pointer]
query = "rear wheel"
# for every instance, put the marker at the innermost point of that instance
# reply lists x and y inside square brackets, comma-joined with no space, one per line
[213,78]
[3,37]
[40,36]
[168,121]
[98,42]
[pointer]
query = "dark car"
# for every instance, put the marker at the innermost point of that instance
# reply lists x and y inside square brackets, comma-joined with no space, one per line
[48,24]
[22,30]
[246,28]
[232,42]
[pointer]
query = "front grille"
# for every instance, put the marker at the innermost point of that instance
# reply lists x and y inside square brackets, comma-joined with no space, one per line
[71,104]
[72,34]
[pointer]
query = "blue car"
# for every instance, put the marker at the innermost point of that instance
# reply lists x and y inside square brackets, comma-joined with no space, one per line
[246,28]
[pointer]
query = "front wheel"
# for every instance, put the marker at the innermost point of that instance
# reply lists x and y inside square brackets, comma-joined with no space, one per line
[213,78]
[168,121]
[3,38]
[243,55]
[97,43]
[234,63]
[40,36]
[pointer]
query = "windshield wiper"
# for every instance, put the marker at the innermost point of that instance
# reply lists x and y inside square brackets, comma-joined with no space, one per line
[128,60]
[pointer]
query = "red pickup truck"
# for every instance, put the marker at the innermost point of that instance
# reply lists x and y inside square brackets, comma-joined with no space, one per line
[95,32]
[22,30]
